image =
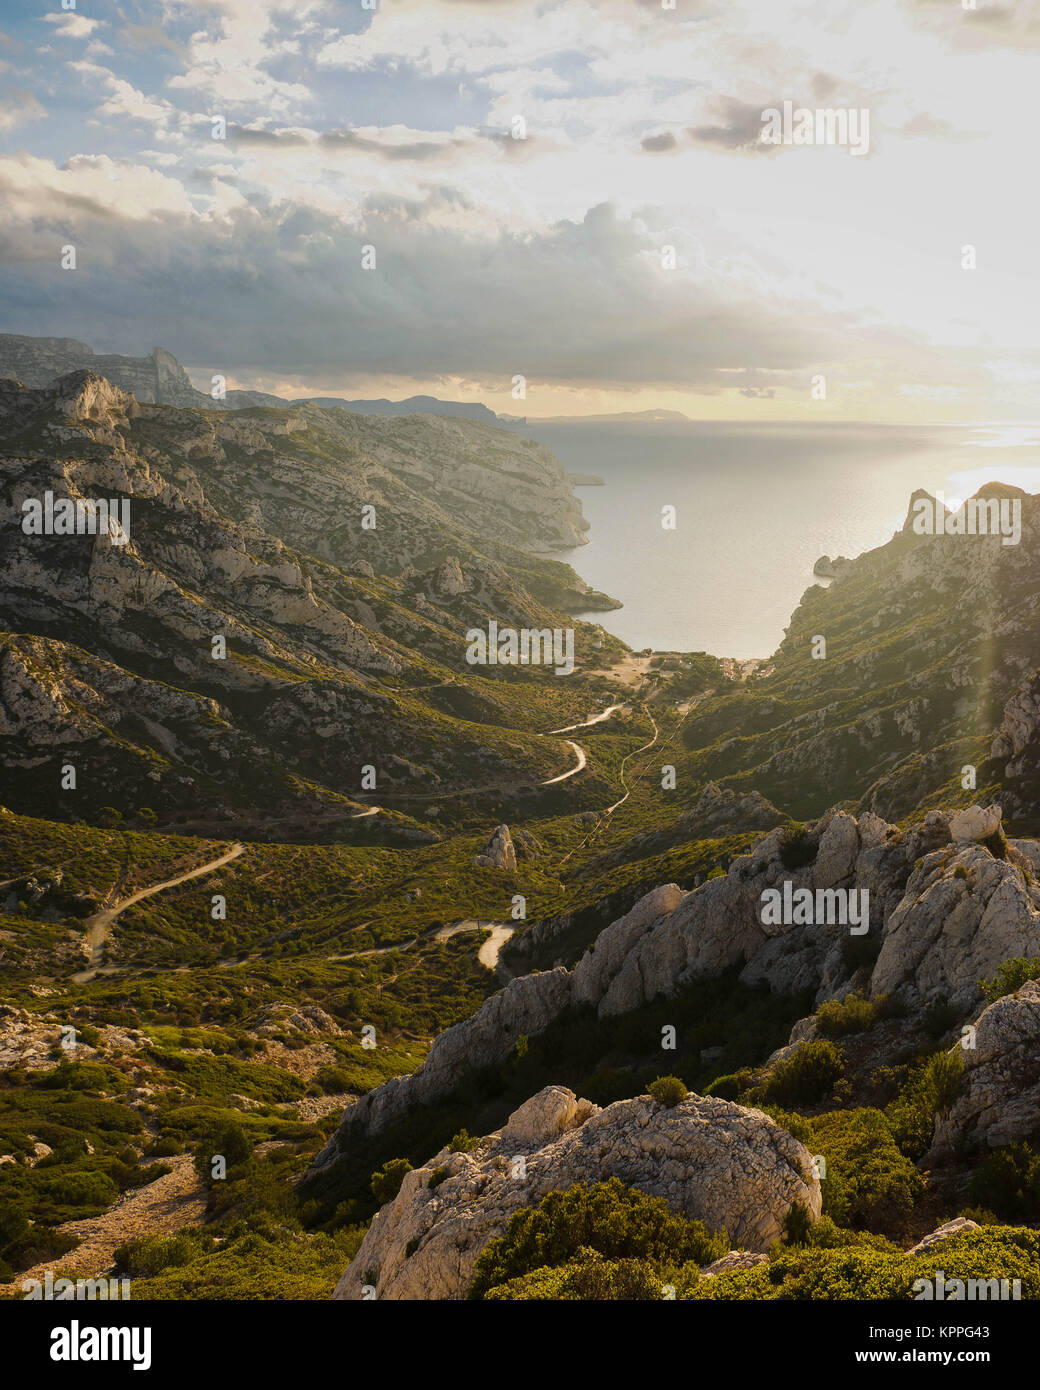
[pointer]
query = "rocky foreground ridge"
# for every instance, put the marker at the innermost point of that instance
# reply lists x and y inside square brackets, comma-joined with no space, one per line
[945,910]
[730,1167]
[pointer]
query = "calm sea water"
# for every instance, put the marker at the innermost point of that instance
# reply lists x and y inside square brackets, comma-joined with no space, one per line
[756,506]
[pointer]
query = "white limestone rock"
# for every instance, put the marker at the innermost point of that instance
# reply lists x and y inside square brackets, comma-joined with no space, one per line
[976,823]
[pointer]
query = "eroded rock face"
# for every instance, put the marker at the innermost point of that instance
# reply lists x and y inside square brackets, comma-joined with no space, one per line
[526,1006]
[713,1161]
[962,914]
[1000,1103]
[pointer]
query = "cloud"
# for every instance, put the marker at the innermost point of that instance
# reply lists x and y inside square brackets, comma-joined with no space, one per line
[738,126]
[281,290]
[990,25]
[69,25]
[415,149]
[230,65]
[657,144]
[19,106]
[107,197]
[125,101]
[389,143]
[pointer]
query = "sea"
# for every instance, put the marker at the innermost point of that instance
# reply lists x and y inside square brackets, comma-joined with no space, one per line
[755,507]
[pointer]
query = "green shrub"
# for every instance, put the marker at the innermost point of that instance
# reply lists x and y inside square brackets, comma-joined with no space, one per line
[807,1076]
[462,1143]
[439,1175]
[1007,1182]
[797,849]
[386,1183]
[230,1142]
[80,1189]
[668,1091]
[854,1014]
[614,1221]
[798,1224]
[587,1278]
[869,1184]
[795,1124]
[150,1255]
[997,843]
[932,1086]
[938,1018]
[1011,976]
[859,1272]
[730,1086]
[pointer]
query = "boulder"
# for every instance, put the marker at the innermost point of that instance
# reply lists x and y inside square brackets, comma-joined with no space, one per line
[961,915]
[734,1261]
[959,1226]
[732,1168]
[976,823]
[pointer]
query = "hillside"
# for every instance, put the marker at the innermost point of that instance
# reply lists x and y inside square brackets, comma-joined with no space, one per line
[338,639]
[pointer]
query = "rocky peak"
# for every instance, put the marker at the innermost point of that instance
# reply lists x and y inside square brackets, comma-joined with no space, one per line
[83,395]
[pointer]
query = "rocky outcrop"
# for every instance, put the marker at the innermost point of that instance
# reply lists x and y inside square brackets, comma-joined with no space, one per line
[826,568]
[733,1262]
[1000,1100]
[1016,750]
[963,913]
[39,1042]
[499,852]
[715,1162]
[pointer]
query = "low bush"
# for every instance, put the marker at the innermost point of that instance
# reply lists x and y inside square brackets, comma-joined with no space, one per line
[807,1076]
[869,1183]
[1011,976]
[386,1183]
[668,1091]
[1007,1182]
[853,1014]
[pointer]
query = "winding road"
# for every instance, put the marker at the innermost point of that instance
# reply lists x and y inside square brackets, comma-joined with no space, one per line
[98,926]
[579,751]
[488,954]
[576,768]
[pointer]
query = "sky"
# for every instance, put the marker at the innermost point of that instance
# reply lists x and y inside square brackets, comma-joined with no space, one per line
[566,197]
